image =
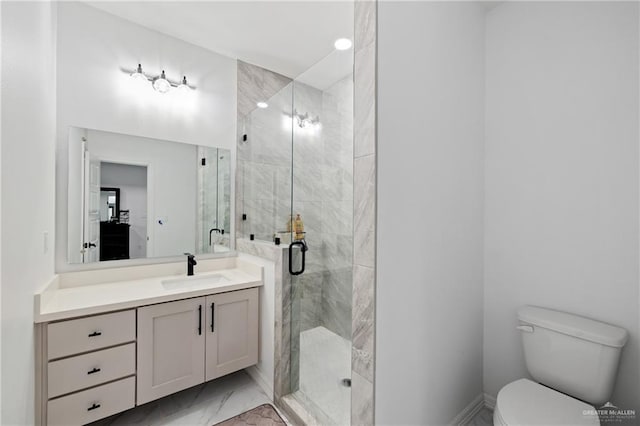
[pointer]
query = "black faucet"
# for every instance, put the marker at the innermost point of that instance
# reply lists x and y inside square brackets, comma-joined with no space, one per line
[218,230]
[191,262]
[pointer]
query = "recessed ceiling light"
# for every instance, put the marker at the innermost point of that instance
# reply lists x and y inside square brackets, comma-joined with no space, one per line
[343,44]
[262,105]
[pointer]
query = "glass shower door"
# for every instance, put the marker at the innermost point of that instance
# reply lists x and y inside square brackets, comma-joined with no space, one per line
[264,168]
[295,182]
[322,233]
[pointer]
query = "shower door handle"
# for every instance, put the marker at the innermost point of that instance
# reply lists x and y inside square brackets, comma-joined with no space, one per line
[303,250]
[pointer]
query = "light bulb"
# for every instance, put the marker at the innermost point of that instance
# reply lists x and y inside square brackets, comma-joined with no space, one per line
[161,84]
[138,76]
[262,105]
[183,87]
[343,44]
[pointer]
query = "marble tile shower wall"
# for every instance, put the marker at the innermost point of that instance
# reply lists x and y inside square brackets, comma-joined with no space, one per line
[338,207]
[323,196]
[264,168]
[364,273]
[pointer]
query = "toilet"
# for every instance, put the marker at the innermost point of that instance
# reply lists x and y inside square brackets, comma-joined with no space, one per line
[574,362]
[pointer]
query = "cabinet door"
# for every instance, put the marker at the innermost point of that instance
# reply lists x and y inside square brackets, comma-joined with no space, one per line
[171,340]
[232,332]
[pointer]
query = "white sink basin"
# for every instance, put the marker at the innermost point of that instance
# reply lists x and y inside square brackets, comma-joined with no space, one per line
[194,281]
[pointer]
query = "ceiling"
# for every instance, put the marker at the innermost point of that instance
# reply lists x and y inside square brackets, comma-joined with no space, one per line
[284,36]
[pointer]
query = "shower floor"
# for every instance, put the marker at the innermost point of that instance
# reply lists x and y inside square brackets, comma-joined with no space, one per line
[325,359]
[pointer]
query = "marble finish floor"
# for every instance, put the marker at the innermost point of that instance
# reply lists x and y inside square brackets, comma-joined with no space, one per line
[325,359]
[483,418]
[203,405]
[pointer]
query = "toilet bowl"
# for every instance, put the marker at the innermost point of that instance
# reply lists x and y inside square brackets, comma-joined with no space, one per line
[524,403]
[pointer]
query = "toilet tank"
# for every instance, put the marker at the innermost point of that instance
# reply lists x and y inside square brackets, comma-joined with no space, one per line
[575,355]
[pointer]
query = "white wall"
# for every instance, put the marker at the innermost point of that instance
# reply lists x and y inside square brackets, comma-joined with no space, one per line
[132,181]
[561,202]
[94,93]
[429,246]
[171,186]
[28,142]
[0,219]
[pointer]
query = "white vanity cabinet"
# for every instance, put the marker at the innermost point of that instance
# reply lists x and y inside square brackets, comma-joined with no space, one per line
[232,332]
[187,342]
[170,348]
[90,367]
[99,365]
[112,339]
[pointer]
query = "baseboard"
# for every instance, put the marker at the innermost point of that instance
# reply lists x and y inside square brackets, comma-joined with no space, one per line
[489,401]
[469,412]
[255,373]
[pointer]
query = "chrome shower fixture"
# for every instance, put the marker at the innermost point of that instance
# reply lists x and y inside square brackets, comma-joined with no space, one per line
[305,120]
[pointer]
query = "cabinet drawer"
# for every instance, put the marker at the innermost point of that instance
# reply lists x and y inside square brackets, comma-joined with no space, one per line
[83,371]
[92,404]
[86,334]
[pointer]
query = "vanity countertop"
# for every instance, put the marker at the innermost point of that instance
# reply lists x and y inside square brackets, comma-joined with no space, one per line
[76,294]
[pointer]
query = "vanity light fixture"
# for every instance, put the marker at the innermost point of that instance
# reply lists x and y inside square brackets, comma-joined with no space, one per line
[343,44]
[160,83]
[262,105]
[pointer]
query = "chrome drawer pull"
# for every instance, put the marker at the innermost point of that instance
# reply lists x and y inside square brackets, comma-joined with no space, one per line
[93,407]
[95,370]
[96,333]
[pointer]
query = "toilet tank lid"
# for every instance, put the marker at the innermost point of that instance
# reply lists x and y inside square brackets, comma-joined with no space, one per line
[574,325]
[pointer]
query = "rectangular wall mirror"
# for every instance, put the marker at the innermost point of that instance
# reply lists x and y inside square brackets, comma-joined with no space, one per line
[131,197]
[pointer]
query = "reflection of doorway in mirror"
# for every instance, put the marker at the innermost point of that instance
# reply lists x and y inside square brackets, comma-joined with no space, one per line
[123,189]
[109,204]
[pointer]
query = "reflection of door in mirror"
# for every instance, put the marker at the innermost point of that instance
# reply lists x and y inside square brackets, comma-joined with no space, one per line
[92,209]
[109,204]
[123,211]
